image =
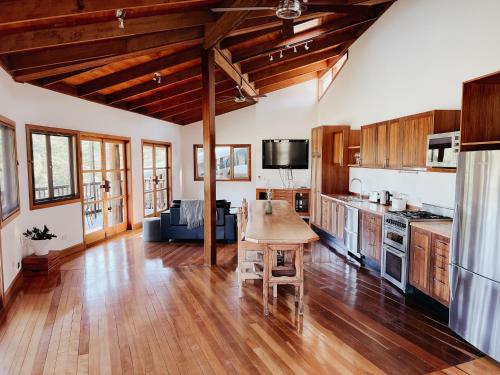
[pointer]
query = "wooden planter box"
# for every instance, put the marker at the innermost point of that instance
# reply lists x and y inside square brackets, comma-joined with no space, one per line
[44,265]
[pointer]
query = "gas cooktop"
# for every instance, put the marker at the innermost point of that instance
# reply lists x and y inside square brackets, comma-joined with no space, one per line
[418,215]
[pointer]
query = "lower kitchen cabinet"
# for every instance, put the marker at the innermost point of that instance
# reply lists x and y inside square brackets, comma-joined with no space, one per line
[429,259]
[420,259]
[371,235]
[333,217]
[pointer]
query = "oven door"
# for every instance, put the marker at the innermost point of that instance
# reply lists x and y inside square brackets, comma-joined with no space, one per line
[394,267]
[395,237]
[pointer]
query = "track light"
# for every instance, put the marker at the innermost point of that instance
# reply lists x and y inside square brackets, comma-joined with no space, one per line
[294,49]
[306,47]
[157,77]
[281,54]
[271,58]
[120,16]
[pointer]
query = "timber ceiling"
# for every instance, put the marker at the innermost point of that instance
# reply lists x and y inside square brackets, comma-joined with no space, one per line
[77,47]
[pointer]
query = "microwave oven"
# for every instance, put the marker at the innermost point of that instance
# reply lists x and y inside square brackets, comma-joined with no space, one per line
[442,150]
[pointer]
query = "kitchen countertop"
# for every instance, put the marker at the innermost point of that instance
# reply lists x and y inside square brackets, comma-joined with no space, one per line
[443,228]
[365,205]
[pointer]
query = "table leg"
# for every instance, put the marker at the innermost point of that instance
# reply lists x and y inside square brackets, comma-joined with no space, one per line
[265,279]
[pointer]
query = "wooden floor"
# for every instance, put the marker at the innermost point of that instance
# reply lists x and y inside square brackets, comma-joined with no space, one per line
[125,307]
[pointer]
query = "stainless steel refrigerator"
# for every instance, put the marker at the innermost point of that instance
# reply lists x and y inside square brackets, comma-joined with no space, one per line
[475,256]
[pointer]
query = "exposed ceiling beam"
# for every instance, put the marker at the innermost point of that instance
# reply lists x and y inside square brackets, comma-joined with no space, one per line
[224,61]
[151,85]
[227,22]
[367,17]
[294,64]
[21,10]
[263,62]
[84,33]
[104,51]
[288,82]
[136,71]
[175,101]
[314,67]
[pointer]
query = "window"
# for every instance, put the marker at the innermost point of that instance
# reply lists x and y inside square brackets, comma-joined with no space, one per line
[329,76]
[52,158]
[232,162]
[9,185]
[157,177]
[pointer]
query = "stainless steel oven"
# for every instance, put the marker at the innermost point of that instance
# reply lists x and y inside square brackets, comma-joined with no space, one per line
[395,267]
[394,236]
[442,150]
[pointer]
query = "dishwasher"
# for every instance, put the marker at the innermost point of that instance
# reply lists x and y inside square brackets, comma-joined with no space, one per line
[351,238]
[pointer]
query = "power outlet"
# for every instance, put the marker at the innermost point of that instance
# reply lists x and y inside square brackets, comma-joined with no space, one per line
[63,237]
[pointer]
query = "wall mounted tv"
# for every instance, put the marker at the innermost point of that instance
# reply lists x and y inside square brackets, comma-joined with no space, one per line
[285,153]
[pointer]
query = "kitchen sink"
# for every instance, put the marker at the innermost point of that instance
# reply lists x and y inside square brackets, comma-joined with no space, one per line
[351,198]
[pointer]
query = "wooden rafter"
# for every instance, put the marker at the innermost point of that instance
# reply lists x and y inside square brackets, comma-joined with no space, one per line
[149,67]
[104,51]
[85,33]
[22,10]
[227,22]
[224,61]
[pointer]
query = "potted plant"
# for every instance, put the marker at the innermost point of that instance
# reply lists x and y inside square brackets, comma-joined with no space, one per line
[39,239]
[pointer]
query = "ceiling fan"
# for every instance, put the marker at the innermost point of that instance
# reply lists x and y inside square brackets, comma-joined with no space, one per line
[287,10]
[240,97]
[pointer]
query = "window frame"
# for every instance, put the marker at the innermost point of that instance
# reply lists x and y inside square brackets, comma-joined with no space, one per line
[47,130]
[169,187]
[334,74]
[232,147]
[12,125]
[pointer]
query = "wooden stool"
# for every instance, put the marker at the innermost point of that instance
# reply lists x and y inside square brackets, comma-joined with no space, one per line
[41,265]
[275,275]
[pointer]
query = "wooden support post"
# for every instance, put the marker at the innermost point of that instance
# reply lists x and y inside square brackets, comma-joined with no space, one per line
[208,112]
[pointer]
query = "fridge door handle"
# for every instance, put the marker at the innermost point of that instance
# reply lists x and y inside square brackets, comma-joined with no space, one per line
[455,234]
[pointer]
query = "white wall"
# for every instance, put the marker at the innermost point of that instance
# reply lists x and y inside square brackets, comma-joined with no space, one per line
[289,113]
[414,59]
[27,104]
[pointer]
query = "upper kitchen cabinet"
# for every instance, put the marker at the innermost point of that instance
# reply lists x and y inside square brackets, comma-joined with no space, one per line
[416,128]
[402,143]
[374,145]
[329,165]
[480,128]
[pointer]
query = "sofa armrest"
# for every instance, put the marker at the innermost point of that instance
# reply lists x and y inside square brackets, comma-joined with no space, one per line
[164,225]
[230,227]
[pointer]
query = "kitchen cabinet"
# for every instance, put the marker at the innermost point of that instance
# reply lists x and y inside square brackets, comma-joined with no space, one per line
[394,145]
[381,159]
[402,143]
[371,235]
[429,259]
[480,128]
[329,166]
[420,259]
[299,199]
[369,146]
[333,217]
[440,289]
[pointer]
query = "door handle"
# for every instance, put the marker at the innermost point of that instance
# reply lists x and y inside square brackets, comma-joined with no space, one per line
[106,186]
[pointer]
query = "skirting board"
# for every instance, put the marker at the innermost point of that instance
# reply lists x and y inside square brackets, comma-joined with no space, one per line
[67,253]
[11,293]
[135,226]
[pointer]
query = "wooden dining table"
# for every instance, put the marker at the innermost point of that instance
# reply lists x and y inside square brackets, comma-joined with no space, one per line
[282,230]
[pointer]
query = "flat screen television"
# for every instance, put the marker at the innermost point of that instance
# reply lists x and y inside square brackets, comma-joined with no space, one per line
[285,153]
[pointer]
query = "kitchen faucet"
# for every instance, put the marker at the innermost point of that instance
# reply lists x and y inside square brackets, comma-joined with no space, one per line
[360,187]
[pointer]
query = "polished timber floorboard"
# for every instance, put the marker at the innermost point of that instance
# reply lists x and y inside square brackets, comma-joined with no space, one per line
[126,307]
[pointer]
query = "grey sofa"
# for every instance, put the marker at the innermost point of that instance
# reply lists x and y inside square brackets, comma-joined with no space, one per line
[172,230]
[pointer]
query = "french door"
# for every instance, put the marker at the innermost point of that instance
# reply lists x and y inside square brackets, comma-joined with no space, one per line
[104,177]
[156,169]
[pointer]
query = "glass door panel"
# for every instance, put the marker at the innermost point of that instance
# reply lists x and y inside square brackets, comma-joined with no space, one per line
[104,187]
[156,178]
